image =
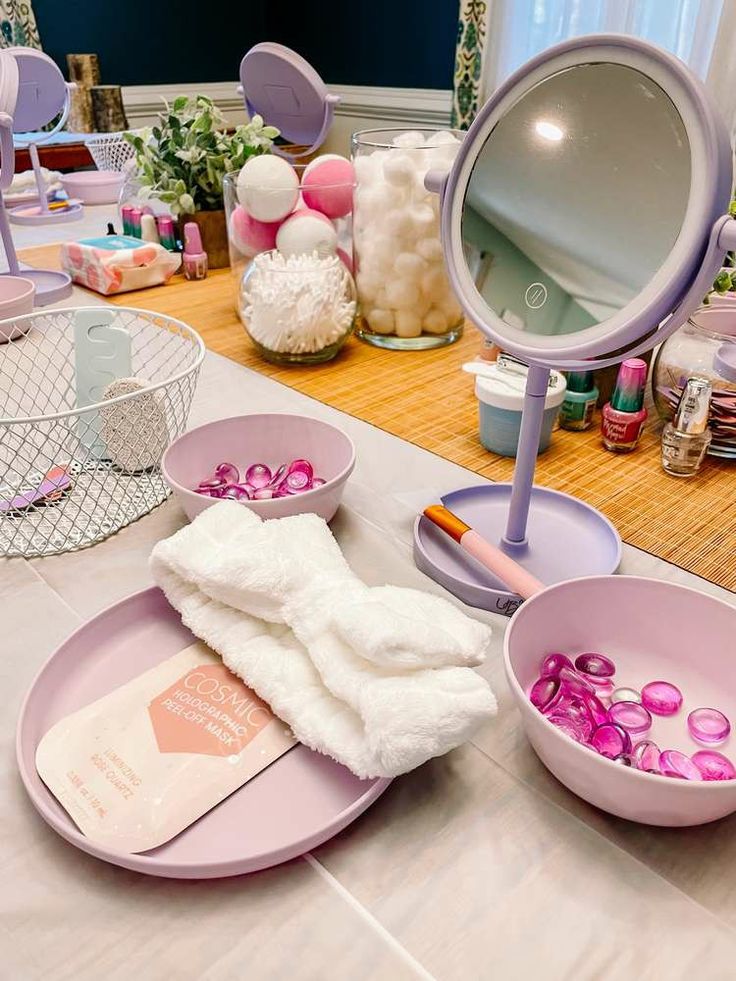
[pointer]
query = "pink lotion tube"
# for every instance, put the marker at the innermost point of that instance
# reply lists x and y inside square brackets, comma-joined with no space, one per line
[492,558]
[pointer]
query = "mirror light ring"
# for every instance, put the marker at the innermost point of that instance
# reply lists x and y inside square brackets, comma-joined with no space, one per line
[710,191]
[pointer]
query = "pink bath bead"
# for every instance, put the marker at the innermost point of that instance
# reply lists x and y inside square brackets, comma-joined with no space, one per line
[708,725]
[327,185]
[713,765]
[566,725]
[596,709]
[595,664]
[661,698]
[258,474]
[213,483]
[251,236]
[234,492]
[247,490]
[630,716]
[574,681]
[298,481]
[302,466]
[552,664]
[544,692]
[278,476]
[318,482]
[610,740]
[263,494]
[646,756]
[227,472]
[672,763]
[604,687]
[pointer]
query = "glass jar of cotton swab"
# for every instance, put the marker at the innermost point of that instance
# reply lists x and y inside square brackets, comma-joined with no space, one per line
[297,309]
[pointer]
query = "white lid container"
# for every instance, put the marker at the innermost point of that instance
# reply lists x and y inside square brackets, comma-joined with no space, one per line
[502,386]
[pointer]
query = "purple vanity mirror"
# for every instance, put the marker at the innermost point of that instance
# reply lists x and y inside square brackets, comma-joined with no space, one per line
[283,88]
[583,221]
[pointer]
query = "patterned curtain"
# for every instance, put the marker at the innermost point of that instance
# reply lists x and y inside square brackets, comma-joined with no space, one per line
[471,39]
[18,24]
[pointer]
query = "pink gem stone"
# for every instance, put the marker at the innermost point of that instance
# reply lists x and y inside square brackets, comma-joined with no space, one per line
[278,476]
[630,716]
[626,695]
[708,725]
[604,687]
[227,472]
[258,474]
[301,466]
[661,698]
[596,709]
[318,482]
[552,664]
[713,765]
[646,756]
[610,740]
[235,493]
[263,494]
[212,484]
[544,692]
[566,725]
[248,489]
[623,760]
[574,681]
[675,764]
[297,481]
[596,664]
[575,710]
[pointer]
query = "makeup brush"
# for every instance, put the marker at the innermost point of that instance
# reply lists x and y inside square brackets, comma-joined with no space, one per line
[490,556]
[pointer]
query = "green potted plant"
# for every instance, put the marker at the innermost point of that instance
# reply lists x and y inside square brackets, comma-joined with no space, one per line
[182,160]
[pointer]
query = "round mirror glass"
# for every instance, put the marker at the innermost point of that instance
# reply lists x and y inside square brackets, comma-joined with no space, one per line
[576,199]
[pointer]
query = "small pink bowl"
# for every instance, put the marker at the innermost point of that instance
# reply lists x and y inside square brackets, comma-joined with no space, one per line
[93,186]
[271,438]
[16,299]
[653,631]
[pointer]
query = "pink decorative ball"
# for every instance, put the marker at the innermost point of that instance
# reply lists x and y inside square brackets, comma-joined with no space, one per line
[346,260]
[327,185]
[251,236]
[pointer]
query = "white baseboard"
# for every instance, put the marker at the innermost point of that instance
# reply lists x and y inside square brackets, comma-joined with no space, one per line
[430,107]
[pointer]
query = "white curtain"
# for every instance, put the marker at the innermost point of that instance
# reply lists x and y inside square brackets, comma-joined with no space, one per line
[700,32]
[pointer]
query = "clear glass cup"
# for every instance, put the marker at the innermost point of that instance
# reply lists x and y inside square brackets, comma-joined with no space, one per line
[406,301]
[297,309]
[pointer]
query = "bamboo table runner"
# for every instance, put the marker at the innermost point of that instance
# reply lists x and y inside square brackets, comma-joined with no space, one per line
[424,398]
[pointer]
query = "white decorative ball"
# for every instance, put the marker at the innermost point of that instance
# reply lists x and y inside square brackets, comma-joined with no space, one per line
[268,187]
[306,231]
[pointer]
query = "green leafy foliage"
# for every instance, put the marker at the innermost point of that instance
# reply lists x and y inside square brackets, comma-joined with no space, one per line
[184,157]
[725,281]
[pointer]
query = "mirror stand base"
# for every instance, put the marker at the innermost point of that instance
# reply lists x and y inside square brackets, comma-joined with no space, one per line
[566,539]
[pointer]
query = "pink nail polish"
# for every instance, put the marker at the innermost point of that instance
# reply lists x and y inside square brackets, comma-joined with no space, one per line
[623,417]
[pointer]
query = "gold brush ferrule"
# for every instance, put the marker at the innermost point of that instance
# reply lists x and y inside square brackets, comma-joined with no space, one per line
[447,521]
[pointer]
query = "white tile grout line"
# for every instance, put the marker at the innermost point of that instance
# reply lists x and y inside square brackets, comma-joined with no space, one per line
[388,938]
[56,593]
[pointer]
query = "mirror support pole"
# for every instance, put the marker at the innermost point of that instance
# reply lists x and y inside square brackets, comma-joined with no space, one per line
[526,456]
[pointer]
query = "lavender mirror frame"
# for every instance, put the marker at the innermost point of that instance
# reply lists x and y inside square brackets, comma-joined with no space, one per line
[677,288]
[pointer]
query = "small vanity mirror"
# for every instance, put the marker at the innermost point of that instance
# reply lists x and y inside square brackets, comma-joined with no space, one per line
[583,221]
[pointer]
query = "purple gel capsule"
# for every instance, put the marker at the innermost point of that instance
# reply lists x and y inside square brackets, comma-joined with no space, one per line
[595,664]
[278,476]
[708,725]
[227,472]
[610,740]
[263,494]
[646,756]
[630,716]
[318,482]
[544,692]
[301,466]
[552,664]
[258,474]
[574,681]
[297,481]
[713,765]
[675,764]
[661,698]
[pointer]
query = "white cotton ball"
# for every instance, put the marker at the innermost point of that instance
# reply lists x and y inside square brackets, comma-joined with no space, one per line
[435,322]
[442,158]
[368,285]
[443,138]
[434,283]
[397,222]
[409,265]
[430,249]
[380,321]
[399,170]
[402,294]
[381,298]
[423,219]
[451,308]
[412,138]
[306,231]
[268,187]
[408,323]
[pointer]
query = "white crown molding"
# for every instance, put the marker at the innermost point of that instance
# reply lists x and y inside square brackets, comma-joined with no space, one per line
[419,106]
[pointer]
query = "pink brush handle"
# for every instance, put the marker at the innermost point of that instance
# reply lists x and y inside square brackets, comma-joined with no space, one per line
[509,572]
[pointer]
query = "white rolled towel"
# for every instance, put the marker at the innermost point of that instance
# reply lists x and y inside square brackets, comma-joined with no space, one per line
[376,677]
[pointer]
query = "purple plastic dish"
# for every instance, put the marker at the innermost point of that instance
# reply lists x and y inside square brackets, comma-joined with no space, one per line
[270,438]
[299,802]
[668,631]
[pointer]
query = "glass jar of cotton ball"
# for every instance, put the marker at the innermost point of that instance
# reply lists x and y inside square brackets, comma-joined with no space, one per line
[297,309]
[406,301]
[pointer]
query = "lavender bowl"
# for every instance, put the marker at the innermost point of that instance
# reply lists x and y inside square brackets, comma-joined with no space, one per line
[270,438]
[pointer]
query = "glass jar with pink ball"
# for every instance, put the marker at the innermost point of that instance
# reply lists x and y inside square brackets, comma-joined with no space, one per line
[406,301]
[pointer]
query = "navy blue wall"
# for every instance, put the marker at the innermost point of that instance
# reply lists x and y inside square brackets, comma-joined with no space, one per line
[406,43]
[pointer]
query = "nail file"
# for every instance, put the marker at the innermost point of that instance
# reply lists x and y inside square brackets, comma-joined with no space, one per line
[102,354]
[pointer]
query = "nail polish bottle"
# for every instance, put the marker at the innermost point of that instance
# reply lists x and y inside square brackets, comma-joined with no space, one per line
[687,437]
[576,412]
[194,258]
[623,417]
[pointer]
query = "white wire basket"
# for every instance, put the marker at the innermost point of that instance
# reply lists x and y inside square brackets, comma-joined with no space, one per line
[71,476]
[110,151]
